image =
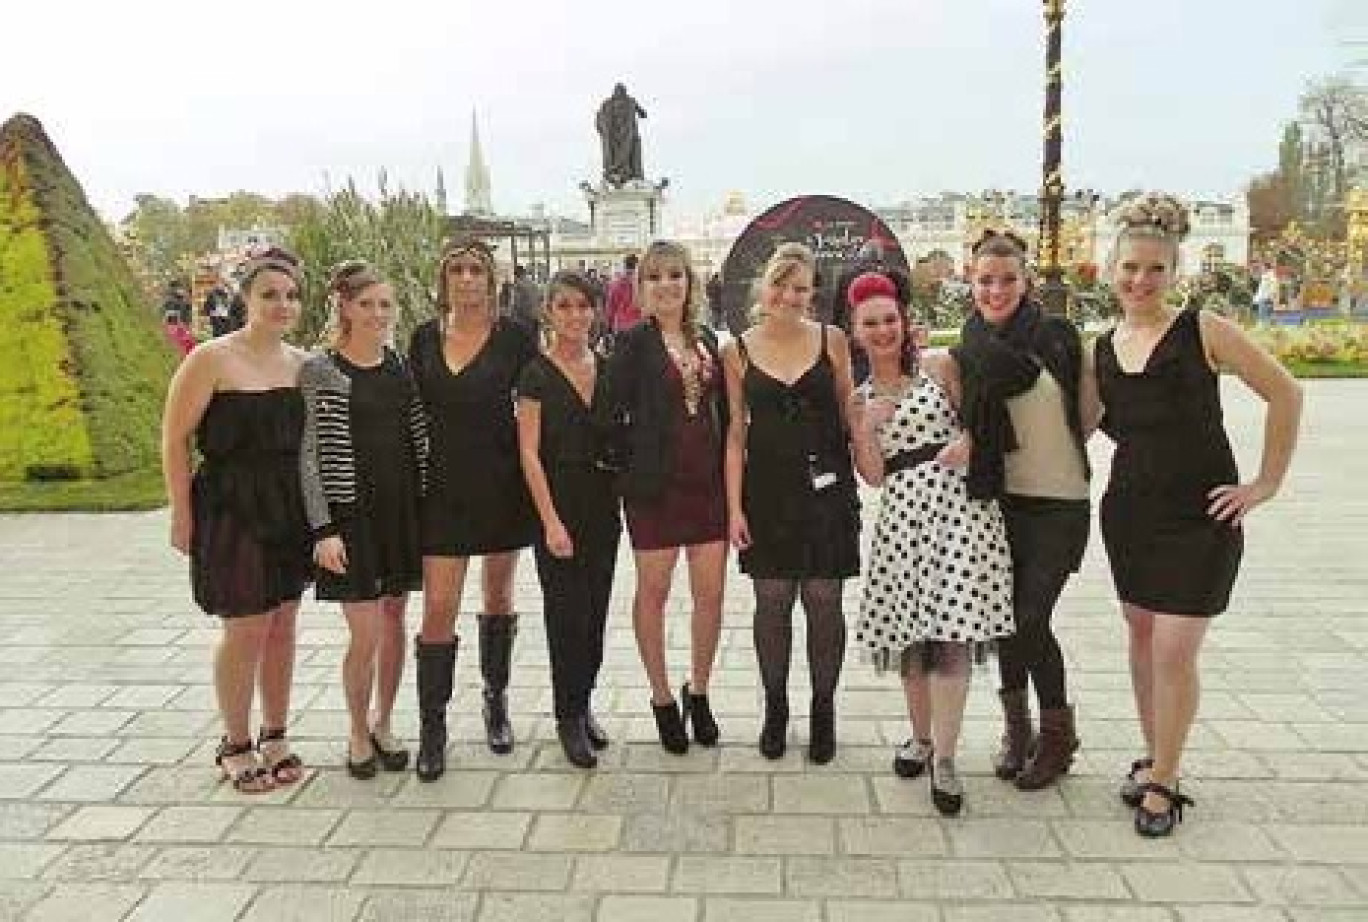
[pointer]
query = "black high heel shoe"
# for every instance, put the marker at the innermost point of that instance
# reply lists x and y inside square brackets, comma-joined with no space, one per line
[1155,825]
[1131,793]
[670,727]
[698,712]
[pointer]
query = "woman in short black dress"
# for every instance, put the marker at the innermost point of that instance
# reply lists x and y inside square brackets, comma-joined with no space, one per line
[466,363]
[561,444]
[365,445]
[240,516]
[792,506]
[1174,507]
[667,393]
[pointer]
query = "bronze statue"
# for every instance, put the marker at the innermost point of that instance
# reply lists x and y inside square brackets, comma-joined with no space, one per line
[617,128]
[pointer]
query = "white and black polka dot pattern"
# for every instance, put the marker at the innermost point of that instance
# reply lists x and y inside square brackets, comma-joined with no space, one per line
[939,566]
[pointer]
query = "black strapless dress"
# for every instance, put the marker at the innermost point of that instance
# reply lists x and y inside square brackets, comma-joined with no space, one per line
[251,549]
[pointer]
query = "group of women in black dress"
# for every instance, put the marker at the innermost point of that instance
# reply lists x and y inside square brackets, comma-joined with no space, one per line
[373,474]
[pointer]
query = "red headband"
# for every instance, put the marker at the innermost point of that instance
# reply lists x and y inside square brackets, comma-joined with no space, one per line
[870,285]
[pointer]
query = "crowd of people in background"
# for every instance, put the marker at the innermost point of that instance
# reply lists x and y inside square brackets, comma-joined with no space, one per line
[550,417]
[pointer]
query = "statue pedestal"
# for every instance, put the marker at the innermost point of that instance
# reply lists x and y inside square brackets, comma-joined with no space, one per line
[626,216]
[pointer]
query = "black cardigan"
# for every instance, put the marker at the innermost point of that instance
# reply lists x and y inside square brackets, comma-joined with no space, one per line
[642,415]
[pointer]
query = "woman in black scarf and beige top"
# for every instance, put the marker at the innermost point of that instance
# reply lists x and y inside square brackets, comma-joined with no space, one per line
[1029,407]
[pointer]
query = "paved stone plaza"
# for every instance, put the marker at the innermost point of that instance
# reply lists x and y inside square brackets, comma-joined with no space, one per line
[110,808]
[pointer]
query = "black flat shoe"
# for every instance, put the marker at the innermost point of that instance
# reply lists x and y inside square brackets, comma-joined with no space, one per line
[363,769]
[670,727]
[947,791]
[1131,793]
[911,758]
[393,758]
[698,713]
[1156,825]
[598,737]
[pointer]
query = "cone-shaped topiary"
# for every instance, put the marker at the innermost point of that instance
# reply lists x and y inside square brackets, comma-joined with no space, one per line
[83,362]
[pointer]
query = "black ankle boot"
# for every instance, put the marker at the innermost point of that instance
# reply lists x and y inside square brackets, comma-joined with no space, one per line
[436,670]
[822,732]
[575,742]
[774,733]
[496,654]
[698,712]
[670,726]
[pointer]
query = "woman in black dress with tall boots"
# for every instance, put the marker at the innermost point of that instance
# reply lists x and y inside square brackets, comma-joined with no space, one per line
[240,516]
[792,506]
[365,446]
[1172,516]
[561,441]
[466,363]
[667,394]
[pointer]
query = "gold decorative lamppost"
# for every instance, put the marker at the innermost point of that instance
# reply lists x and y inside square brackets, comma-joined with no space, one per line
[1053,293]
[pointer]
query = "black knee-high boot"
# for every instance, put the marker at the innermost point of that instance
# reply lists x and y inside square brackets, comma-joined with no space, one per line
[436,672]
[496,655]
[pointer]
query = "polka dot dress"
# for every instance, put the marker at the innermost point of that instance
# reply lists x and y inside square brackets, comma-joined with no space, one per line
[939,566]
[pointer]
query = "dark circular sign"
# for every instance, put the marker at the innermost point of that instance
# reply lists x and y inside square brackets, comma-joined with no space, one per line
[842,235]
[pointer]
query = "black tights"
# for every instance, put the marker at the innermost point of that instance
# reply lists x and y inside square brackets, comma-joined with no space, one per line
[1034,651]
[773,630]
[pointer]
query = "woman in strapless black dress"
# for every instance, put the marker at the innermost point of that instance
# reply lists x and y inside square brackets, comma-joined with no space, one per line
[240,516]
[792,507]
[466,363]
[1172,516]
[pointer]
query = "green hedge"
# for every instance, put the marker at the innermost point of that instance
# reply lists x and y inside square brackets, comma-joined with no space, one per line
[85,399]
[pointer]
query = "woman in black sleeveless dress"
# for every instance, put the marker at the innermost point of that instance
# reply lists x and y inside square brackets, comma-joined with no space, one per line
[793,511]
[240,516]
[466,363]
[1174,507]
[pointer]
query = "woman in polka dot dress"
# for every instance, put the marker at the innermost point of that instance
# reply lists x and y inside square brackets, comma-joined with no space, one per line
[939,579]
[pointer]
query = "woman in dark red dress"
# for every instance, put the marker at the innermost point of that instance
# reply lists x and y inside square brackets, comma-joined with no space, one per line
[666,386]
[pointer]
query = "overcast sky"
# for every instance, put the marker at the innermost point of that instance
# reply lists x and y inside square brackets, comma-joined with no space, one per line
[879,100]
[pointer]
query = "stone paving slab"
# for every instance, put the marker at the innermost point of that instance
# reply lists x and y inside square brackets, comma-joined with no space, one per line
[110,807]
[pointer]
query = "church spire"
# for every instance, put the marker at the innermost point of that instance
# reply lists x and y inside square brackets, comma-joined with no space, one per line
[478,200]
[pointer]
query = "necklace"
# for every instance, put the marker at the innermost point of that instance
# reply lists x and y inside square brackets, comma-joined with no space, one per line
[898,388]
[691,371]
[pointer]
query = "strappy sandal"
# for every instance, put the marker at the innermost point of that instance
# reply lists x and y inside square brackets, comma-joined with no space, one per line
[284,766]
[249,779]
[1153,825]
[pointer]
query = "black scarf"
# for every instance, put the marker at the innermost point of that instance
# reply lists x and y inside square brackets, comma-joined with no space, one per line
[998,363]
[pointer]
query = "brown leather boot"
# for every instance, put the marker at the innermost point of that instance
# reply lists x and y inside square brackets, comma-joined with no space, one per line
[1054,750]
[1018,734]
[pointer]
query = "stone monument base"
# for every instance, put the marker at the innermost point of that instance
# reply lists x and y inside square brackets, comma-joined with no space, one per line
[626,216]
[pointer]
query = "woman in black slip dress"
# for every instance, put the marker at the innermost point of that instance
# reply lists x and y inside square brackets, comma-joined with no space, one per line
[792,507]
[1172,516]
[362,461]
[240,516]
[466,363]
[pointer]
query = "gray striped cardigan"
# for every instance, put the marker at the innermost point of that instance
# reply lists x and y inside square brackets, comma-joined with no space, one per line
[327,458]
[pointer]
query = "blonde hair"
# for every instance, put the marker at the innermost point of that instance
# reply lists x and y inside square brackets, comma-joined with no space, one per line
[1153,216]
[466,246]
[661,251]
[786,259]
[348,279]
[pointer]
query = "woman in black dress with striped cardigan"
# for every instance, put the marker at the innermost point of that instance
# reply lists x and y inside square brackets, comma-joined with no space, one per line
[362,466]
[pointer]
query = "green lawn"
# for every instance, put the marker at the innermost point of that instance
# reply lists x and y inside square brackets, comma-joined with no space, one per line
[135,491]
